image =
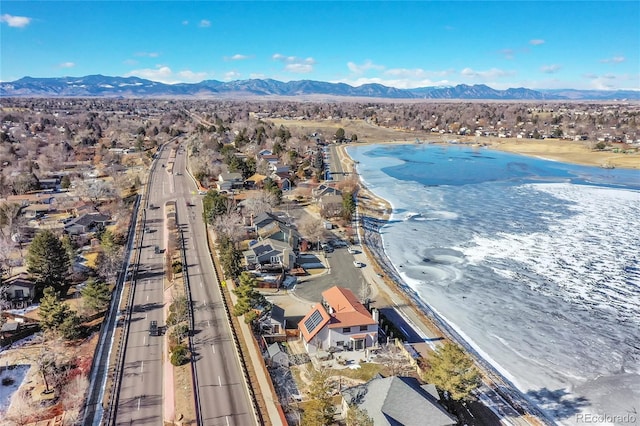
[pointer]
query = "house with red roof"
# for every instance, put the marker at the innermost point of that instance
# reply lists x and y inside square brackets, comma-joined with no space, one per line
[340,322]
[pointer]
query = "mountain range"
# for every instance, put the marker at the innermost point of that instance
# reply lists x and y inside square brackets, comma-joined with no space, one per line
[134,87]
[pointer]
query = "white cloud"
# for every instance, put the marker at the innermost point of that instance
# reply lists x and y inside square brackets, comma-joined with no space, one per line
[614,60]
[399,83]
[550,69]
[231,75]
[361,69]
[536,41]
[205,23]
[488,74]
[417,73]
[299,68]
[192,77]
[256,75]
[237,57]
[295,64]
[15,21]
[66,65]
[130,62]
[185,22]
[164,74]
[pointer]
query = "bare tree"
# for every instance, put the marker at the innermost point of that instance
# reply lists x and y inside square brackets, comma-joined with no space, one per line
[395,359]
[311,227]
[73,398]
[231,225]
[258,203]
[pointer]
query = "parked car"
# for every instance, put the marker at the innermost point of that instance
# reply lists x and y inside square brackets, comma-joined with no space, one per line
[157,249]
[353,250]
[358,264]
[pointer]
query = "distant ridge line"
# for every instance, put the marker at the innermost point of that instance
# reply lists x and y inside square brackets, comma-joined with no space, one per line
[135,87]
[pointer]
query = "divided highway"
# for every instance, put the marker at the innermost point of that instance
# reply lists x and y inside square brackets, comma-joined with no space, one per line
[222,391]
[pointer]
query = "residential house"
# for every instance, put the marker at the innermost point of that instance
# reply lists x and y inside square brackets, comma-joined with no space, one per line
[50,183]
[270,254]
[330,205]
[230,181]
[255,182]
[273,325]
[86,223]
[19,291]
[268,225]
[270,158]
[34,198]
[324,190]
[37,210]
[276,357]
[395,401]
[341,321]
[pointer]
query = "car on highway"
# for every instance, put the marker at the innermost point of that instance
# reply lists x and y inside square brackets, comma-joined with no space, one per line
[153,328]
[156,249]
[358,264]
[147,230]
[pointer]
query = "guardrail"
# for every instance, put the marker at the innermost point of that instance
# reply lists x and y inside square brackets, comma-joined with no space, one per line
[112,407]
[97,381]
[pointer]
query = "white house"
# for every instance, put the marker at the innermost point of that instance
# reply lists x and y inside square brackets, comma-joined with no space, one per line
[341,321]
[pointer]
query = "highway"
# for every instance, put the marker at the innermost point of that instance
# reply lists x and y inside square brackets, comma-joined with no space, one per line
[223,395]
[141,394]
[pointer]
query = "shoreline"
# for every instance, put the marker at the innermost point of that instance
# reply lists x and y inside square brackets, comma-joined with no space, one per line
[375,213]
[571,152]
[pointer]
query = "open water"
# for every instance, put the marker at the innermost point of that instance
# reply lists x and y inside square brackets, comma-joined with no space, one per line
[536,263]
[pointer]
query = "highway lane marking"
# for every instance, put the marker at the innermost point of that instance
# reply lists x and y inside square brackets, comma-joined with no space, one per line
[227,418]
[141,366]
[209,323]
[213,348]
[219,381]
[139,403]
[147,297]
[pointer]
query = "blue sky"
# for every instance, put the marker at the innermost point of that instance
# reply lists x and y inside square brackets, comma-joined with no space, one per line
[537,44]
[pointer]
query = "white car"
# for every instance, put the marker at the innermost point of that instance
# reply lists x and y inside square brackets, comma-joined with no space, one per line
[358,264]
[353,250]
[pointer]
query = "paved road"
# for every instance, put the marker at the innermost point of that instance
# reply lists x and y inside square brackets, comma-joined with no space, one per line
[141,393]
[224,399]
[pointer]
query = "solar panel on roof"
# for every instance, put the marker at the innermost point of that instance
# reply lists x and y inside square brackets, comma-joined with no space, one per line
[313,321]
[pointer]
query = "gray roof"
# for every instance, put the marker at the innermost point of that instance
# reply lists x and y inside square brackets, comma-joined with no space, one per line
[274,349]
[396,401]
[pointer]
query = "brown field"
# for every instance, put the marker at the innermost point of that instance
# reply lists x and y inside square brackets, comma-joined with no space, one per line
[551,149]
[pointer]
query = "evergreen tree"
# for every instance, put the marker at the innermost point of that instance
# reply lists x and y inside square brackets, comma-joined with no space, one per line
[453,371]
[48,262]
[348,205]
[230,257]
[70,328]
[65,183]
[319,410]
[96,295]
[358,417]
[340,134]
[52,311]
[249,298]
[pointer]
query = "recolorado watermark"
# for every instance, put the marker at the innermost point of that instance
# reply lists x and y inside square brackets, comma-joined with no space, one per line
[588,418]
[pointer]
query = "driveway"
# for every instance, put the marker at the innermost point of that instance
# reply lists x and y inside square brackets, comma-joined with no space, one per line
[340,272]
